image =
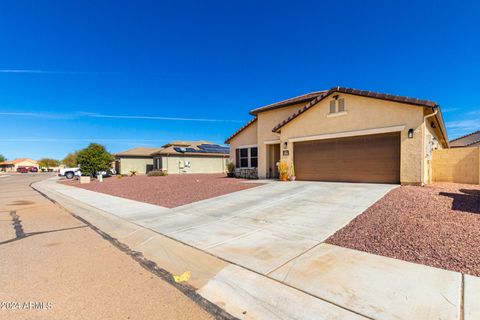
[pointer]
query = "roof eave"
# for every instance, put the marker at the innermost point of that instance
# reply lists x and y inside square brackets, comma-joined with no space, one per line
[362,93]
[245,126]
[255,112]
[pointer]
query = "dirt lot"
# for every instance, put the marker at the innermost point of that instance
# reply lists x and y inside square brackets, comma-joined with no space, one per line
[169,191]
[53,266]
[437,225]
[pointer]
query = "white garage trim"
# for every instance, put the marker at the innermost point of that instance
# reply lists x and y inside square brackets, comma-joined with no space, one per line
[348,134]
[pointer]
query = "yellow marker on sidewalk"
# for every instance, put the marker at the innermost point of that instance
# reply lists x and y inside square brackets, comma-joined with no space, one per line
[183,277]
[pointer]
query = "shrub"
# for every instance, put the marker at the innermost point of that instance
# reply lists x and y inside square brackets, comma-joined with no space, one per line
[283,170]
[230,169]
[47,163]
[133,173]
[70,160]
[156,173]
[94,158]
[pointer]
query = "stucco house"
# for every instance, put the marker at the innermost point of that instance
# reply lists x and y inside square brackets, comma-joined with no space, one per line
[12,166]
[137,159]
[191,157]
[342,134]
[469,140]
[174,157]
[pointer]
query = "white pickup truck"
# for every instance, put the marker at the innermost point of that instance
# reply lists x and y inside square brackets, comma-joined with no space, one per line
[69,173]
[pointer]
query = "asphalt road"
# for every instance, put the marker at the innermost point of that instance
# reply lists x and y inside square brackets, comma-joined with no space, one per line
[53,266]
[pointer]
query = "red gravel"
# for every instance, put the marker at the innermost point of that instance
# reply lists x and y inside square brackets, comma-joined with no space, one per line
[169,191]
[437,225]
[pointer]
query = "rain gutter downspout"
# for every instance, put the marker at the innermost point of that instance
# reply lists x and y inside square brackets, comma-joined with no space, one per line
[435,111]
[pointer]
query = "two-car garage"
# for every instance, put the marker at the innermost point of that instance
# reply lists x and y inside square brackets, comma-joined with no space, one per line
[368,158]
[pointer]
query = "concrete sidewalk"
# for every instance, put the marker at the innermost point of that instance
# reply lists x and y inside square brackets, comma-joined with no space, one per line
[324,282]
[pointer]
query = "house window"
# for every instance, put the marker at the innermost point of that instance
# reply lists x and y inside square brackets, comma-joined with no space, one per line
[341,105]
[237,158]
[332,106]
[246,157]
[254,157]
[337,105]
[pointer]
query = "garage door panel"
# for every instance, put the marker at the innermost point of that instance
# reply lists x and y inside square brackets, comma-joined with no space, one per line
[372,158]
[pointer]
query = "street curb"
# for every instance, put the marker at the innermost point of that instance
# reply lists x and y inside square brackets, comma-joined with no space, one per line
[150,266]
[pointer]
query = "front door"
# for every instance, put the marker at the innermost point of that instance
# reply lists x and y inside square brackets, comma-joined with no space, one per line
[273,154]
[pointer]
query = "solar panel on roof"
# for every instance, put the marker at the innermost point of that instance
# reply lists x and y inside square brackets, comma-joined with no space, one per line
[204,148]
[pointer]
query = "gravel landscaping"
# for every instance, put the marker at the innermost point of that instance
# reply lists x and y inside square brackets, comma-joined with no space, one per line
[168,191]
[437,225]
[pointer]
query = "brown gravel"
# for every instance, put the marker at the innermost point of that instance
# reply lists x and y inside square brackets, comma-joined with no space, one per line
[169,191]
[437,225]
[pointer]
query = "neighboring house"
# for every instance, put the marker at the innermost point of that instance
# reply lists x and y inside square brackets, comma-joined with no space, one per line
[469,140]
[12,166]
[342,134]
[136,159]
[53,169]
[191,157]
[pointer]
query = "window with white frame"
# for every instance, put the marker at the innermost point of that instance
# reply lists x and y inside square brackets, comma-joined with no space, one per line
[246,157]
[253,157]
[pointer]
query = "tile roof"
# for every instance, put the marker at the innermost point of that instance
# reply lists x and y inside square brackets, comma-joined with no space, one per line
[370,94]
[240,130]
[15,161]
[288,102]
[466,140]
[140,151]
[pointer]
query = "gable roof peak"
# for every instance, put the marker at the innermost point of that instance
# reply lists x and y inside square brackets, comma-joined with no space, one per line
[357,92]
[288,102]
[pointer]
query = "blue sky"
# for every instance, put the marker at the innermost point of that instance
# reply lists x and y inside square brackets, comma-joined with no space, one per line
[68,69]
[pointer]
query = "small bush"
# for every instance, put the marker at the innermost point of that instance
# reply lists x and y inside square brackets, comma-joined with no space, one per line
[230,169]
[156,173]
[283,170]
[133,173]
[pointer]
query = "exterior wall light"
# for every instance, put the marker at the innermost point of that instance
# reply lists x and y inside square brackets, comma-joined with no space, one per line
[285,145]
[410,133]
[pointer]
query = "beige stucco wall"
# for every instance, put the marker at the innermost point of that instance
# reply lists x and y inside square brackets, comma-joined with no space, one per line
[432,136]
[460,165]
[138,164]
[26,164]
[362,113]
[366,113]
[14,167]
[248,137]
[266,121]
[198,164]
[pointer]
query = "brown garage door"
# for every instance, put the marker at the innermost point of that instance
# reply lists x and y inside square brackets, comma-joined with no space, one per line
[372,158]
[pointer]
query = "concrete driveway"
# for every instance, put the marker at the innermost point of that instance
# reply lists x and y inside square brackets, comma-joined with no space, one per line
[266,227]
[277,230]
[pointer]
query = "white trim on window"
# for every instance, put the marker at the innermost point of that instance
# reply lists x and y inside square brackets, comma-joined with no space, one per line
[249,156]
[247,146]
[348,134]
